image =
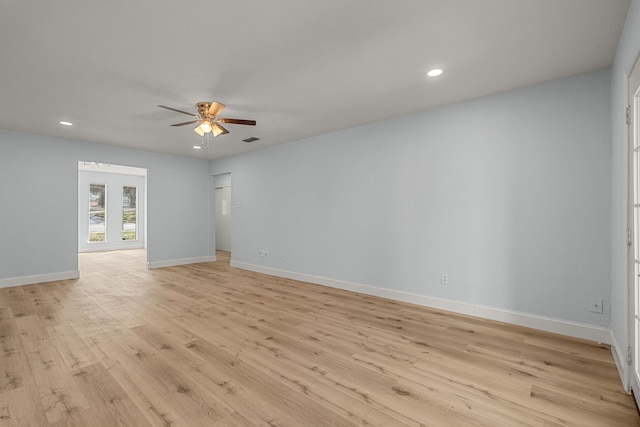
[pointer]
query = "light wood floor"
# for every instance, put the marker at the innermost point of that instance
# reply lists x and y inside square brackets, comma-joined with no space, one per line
[210,345]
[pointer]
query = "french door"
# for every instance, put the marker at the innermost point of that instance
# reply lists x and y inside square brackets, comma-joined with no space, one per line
[111,210]
[633,123]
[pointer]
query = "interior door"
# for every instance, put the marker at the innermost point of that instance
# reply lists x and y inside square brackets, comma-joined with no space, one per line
[633,122]
[223,218]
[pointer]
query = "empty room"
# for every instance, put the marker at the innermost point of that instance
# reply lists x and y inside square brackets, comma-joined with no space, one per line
[337,213]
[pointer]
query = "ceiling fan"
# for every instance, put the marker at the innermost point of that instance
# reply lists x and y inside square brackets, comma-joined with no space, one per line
[208,117]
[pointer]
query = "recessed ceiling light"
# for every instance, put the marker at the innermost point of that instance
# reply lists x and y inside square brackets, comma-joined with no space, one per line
[66,123]
[435,72]
[197,147]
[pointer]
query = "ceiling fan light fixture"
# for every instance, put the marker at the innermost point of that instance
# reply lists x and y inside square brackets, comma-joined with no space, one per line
[216,130]
[199,130]
[205,126]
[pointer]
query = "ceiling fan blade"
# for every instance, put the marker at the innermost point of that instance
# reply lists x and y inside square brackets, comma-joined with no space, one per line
[177,111]
[238,122]
[215,109]
[186,123]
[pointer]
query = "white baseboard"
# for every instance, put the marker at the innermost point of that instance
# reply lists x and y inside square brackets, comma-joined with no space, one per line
[549,324]
[99,247]
[285,274]
[38,278]
[182,261]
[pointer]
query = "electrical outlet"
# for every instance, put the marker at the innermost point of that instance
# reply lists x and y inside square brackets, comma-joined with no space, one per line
[595,305]
[444,279]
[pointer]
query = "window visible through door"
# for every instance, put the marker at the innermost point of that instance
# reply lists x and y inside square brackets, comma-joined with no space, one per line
[129,213]
[97,213]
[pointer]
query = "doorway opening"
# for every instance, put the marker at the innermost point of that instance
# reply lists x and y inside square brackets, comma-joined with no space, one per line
[111,210]
[222,219]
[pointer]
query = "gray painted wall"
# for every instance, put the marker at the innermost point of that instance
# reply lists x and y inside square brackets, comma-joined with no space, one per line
[39,193]
[509,195]
[628,49]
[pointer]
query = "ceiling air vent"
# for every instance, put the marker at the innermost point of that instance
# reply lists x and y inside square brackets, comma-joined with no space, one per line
[252,139]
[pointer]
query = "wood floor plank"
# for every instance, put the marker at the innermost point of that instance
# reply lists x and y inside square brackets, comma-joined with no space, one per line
[228,387]
[59,394]
[17,299]
[20,407]
[142,394]
[117,307]
[73,349]
[234,386]
[272,401]
[181,395]
[110,404]
[590,411]
[14,373]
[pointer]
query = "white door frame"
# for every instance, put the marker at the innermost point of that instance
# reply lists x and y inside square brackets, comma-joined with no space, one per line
[632,92]
[223,225]
[220,181]
[112,174]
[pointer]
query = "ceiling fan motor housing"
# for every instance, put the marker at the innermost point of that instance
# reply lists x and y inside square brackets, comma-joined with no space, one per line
[203,108]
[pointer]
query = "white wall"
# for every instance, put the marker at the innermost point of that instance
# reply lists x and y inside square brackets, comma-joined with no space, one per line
[39,215]
[509,195]
[628,49]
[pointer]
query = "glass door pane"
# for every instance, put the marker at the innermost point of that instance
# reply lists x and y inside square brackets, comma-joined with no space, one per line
[97,213]
[129,213]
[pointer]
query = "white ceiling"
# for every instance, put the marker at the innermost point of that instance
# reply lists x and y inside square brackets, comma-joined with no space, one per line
[298,67]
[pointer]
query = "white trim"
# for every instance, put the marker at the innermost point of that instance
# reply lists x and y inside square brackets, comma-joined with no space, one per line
[99,247]
[109,168]
[274,272]
[629,260]
[620,358]
[183,261]
[38,278]
[549,324]
[423,300]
